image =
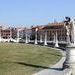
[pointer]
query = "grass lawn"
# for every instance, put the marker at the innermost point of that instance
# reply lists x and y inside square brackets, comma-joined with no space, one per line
[25,59]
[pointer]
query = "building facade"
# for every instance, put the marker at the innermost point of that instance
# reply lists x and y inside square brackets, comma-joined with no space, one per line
[55,32]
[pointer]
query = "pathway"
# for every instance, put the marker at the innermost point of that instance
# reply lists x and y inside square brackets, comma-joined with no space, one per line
[55,69]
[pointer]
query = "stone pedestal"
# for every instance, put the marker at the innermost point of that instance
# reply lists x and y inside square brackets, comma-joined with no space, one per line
[56,40]
[29,39]
[17,40]
[70,58]
[56,44]
[41,38]
[17,35]
[0,36]
[36,38]
[45,41]
[70,49]
[36,42]
[26,39]
[0,39]
[10,34]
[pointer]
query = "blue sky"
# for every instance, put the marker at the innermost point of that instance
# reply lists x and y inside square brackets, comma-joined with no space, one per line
[34,12]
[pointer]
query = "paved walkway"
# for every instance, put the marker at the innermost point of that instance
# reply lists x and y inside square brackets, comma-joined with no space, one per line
[55,69]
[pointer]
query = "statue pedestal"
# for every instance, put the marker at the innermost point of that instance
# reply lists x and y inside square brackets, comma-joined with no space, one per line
[70,58]
[36,41]
[56,44]
[70,49]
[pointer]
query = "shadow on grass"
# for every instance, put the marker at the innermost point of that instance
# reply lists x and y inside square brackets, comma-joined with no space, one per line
[37,66]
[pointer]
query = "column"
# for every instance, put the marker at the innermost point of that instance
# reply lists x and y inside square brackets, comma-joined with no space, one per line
[36,42]
[56,40]
[45,41]
[26,38]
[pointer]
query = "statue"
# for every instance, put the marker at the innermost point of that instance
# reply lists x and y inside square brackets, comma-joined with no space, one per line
[70,29]
[69,63]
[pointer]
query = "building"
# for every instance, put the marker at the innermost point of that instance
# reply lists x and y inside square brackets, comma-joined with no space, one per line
[52,33]
[23,34]
[5,34]
[47,33]
[19,34]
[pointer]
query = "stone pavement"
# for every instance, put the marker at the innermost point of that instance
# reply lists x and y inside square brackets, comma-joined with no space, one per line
[56,69]
[54,72]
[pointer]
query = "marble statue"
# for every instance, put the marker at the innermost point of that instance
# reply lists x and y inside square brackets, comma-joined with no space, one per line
[68,29]
[70,49]
[69,24]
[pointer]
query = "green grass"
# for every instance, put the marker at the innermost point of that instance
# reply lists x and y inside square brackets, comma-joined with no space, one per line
[24,59]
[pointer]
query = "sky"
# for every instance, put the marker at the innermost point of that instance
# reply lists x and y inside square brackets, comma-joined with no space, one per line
[25,13]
